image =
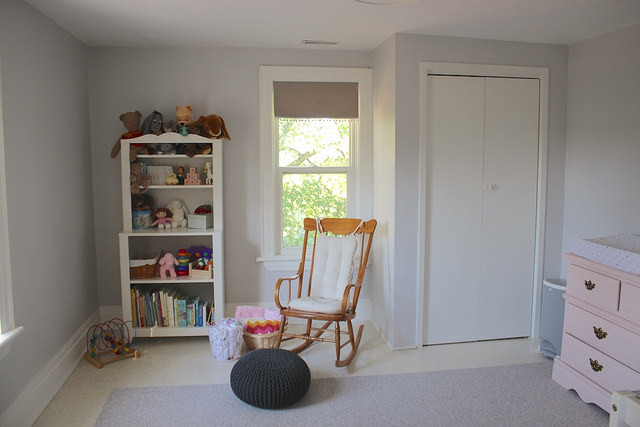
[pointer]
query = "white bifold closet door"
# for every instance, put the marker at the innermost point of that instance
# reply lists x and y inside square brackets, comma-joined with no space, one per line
[482,136]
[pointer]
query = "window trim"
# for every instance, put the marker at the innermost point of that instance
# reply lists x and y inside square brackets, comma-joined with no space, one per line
[8,330]
[361,202]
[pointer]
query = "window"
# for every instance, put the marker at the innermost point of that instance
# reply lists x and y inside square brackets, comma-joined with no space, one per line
[315,152]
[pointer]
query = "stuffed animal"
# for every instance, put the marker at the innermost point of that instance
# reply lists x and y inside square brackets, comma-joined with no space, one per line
[131,122]
[179,212]
[167,265]
[139,181]
[162,217]
[211,126]
[193,149]
[184,117]
[153,123]
[166,148]
[170,126]
[172,179]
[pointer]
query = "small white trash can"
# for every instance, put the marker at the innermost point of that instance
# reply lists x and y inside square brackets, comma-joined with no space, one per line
[552,317]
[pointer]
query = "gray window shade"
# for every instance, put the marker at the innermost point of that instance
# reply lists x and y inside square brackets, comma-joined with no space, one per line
[334,100]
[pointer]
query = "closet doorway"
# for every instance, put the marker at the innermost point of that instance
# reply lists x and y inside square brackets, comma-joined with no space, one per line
[482,179]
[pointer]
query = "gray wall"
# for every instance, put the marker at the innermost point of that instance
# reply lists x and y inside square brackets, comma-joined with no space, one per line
[49,195]
[603,137]
[410,50]
[215,81]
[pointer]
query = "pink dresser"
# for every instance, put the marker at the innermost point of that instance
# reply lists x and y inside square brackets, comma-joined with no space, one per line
[601,339]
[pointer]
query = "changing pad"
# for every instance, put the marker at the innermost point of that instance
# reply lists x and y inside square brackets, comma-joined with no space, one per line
[621,251]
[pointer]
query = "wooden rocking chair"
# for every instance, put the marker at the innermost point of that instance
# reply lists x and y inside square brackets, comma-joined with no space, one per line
[340,248]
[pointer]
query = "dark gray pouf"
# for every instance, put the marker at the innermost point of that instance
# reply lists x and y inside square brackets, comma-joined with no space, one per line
[270,378]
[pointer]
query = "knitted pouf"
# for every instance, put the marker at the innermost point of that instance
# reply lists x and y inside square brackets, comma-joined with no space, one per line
[270,378]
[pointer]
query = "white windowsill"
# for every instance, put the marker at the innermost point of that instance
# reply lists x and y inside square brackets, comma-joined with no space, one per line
[280,262]
[7,338]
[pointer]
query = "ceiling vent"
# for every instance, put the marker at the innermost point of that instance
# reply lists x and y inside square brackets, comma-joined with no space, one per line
[319,42]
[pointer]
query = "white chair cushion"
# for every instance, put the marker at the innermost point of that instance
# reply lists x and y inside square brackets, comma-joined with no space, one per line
[319,305]
[333,265]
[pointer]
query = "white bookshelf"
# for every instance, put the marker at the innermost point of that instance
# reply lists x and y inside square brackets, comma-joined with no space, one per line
[134,241]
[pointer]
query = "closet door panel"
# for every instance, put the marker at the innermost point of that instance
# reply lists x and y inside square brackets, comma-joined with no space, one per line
[454,131]
[509,206]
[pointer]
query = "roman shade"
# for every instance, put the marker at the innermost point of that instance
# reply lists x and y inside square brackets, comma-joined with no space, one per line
[314,100]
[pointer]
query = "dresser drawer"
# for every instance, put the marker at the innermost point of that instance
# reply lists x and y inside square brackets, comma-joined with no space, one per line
[630,302]
[595,288]
[598,367]
[602,334]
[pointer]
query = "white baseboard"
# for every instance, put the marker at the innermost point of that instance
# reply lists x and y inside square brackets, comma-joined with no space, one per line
[35,397]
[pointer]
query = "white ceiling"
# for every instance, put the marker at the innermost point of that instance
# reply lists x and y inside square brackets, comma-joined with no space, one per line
[353,25]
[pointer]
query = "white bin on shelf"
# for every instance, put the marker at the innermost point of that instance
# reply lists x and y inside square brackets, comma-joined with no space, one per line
[552,317]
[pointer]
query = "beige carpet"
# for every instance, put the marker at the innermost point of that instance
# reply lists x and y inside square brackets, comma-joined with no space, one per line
[518,395]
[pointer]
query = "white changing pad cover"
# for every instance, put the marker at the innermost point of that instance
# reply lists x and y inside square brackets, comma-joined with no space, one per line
[621,251]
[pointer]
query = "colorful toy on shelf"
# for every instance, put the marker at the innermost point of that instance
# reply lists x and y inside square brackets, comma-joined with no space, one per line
[208,172]
[182,269]
[167,265]
[109,342]
[192,177]
[162,217]
[180,175]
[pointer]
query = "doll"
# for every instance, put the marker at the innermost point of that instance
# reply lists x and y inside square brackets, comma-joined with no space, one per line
[162,218]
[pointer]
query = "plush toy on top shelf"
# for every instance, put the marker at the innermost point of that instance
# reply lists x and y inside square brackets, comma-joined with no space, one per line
[184,117]
[131,122]
[152,124]
[211,126]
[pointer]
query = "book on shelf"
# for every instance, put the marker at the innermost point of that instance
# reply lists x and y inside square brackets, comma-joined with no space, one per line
[166,307]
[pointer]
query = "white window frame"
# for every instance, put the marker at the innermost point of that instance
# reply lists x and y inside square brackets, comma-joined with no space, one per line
[360,191]
[8,331]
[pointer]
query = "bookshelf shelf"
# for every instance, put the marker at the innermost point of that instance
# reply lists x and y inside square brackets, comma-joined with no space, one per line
[147,301]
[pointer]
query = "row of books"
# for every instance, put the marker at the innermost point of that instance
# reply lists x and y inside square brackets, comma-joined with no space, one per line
[166,307]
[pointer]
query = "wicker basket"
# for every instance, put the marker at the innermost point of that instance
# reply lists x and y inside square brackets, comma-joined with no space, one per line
[255,341]
[143,268]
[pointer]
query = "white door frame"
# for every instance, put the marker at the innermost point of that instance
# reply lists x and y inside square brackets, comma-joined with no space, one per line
[482,70]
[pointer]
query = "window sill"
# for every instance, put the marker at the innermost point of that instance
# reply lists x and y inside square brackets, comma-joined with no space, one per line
[7,338]
[280,262]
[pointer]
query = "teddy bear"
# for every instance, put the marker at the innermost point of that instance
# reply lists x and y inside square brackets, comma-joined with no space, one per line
[139,180]
[131,121]
[211,126]
[167,265]
[179,212]
[184,117]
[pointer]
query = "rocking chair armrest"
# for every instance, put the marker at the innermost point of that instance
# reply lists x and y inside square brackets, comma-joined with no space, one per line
[345,296]
[276,292]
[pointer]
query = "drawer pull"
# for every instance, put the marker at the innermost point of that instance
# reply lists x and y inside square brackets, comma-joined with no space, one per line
[589,285]
[597,367]
[599,333]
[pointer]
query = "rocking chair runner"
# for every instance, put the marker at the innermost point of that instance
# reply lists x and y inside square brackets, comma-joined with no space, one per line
[330,295]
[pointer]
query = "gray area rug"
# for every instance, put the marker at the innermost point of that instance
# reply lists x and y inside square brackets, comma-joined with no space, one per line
[519,395]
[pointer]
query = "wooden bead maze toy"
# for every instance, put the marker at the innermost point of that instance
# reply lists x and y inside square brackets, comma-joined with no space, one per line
[109,342]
